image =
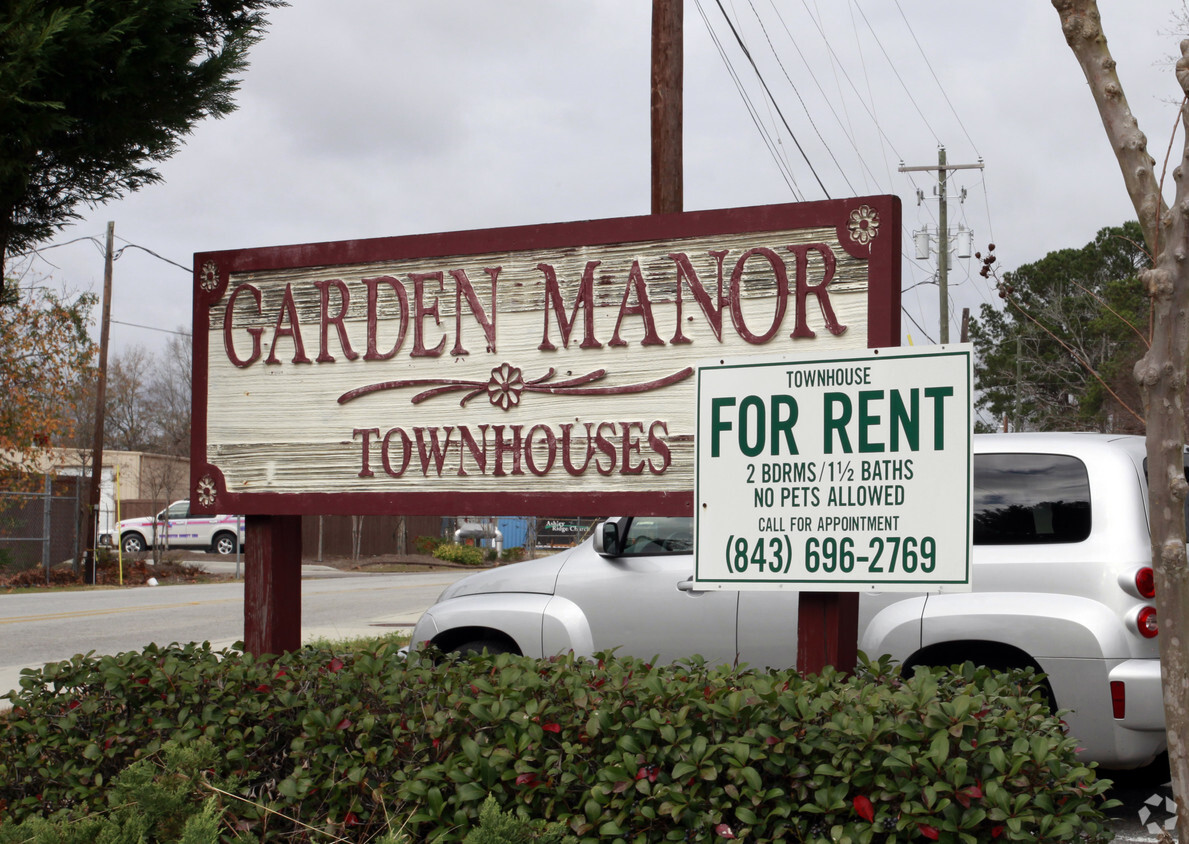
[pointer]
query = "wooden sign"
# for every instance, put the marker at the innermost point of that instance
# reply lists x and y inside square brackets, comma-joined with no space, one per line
[539,370]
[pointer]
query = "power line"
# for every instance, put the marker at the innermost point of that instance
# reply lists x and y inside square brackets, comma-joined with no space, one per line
[896,72]
[760,76]
[846,131]
[129,245]
[925,333]
[152,328]
[940,87]
[781,165]
[804,107]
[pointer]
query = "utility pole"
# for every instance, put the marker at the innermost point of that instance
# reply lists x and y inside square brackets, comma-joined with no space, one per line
[100,400]
[943,234]
[668,59]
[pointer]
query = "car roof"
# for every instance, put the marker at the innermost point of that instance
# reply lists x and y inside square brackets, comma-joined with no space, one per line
[1083,444]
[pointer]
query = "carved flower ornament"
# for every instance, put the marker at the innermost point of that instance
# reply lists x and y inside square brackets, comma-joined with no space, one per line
[206,491]
[209,278]
[863,224]
[505,386]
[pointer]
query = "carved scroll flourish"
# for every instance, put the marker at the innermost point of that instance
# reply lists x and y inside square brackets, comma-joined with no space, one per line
[506,385]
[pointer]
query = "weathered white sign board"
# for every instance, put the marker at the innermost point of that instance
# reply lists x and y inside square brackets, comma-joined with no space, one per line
[542,370]
[835,472]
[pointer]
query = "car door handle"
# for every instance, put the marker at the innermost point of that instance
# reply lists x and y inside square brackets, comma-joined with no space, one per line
[688,586]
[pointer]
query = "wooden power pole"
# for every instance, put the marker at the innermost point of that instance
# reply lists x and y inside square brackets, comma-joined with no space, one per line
[943,234]
[668,59]
[100,400]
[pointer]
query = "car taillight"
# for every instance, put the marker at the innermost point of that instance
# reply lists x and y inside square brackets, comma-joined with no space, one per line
[1118,698]
[1145,622]
[1145,582]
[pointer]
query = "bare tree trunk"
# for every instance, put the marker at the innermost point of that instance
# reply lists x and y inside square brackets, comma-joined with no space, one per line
[1162,372]
[356,536]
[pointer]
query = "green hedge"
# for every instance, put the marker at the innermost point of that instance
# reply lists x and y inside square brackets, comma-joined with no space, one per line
[611,748]
[468,555]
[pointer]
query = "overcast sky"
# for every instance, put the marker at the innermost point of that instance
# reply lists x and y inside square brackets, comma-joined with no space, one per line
[367,118]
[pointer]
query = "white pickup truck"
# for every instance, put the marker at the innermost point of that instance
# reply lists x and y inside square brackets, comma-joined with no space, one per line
[174,527]
[1061,577]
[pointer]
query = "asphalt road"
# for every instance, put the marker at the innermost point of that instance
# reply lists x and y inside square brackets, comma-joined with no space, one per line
[1148,805]
[39,628]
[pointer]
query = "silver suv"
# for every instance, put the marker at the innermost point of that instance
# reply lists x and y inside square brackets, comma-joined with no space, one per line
[1062,582]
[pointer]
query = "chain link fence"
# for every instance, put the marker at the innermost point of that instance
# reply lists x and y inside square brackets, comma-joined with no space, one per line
[41,528]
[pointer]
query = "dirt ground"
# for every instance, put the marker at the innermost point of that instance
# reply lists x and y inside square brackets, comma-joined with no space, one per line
[404,562]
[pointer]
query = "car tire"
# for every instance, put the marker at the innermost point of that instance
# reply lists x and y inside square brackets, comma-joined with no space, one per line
[132,543]
[478,646]
[224,544]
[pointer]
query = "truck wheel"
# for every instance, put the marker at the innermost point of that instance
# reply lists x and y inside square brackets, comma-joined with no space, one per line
[131,543]
[224,543]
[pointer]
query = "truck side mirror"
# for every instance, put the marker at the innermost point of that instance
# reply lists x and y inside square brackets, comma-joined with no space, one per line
[606,540]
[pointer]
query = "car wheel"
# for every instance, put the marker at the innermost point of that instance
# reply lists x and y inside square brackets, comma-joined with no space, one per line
[131,543]
[224,543]
[478,646]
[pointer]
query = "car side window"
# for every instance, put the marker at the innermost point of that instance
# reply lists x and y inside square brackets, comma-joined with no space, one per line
[179,511]
[1029,499]
[659,535]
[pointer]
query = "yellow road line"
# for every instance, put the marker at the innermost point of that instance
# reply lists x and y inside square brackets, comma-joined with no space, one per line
[113,611]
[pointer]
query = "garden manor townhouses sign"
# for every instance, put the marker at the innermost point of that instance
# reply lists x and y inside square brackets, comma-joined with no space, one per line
[543,370]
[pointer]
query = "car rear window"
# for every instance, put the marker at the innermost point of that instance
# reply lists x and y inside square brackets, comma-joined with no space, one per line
[1028,499]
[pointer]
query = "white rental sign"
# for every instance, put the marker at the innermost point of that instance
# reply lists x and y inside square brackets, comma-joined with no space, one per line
[835,472]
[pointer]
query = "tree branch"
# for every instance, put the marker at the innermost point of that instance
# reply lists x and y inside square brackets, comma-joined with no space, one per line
[1082,26]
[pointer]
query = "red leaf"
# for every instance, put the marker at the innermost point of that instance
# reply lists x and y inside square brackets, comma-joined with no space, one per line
[262,688]
[929,832]
[342,725]
[648,772]
[724,831]
[864,809]
[996,830]
[967,794]
[74,704]
[527,779]
[335,665]
[352,819]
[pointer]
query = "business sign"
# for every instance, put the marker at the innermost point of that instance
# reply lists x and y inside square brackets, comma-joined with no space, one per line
[541,370]
[835,472]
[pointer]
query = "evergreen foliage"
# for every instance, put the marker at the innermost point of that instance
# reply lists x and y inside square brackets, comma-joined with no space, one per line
[373,743]
[1072,311]
[93,92]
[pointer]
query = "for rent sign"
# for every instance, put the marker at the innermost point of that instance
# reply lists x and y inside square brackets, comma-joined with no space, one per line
[835,472]
[544,370]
